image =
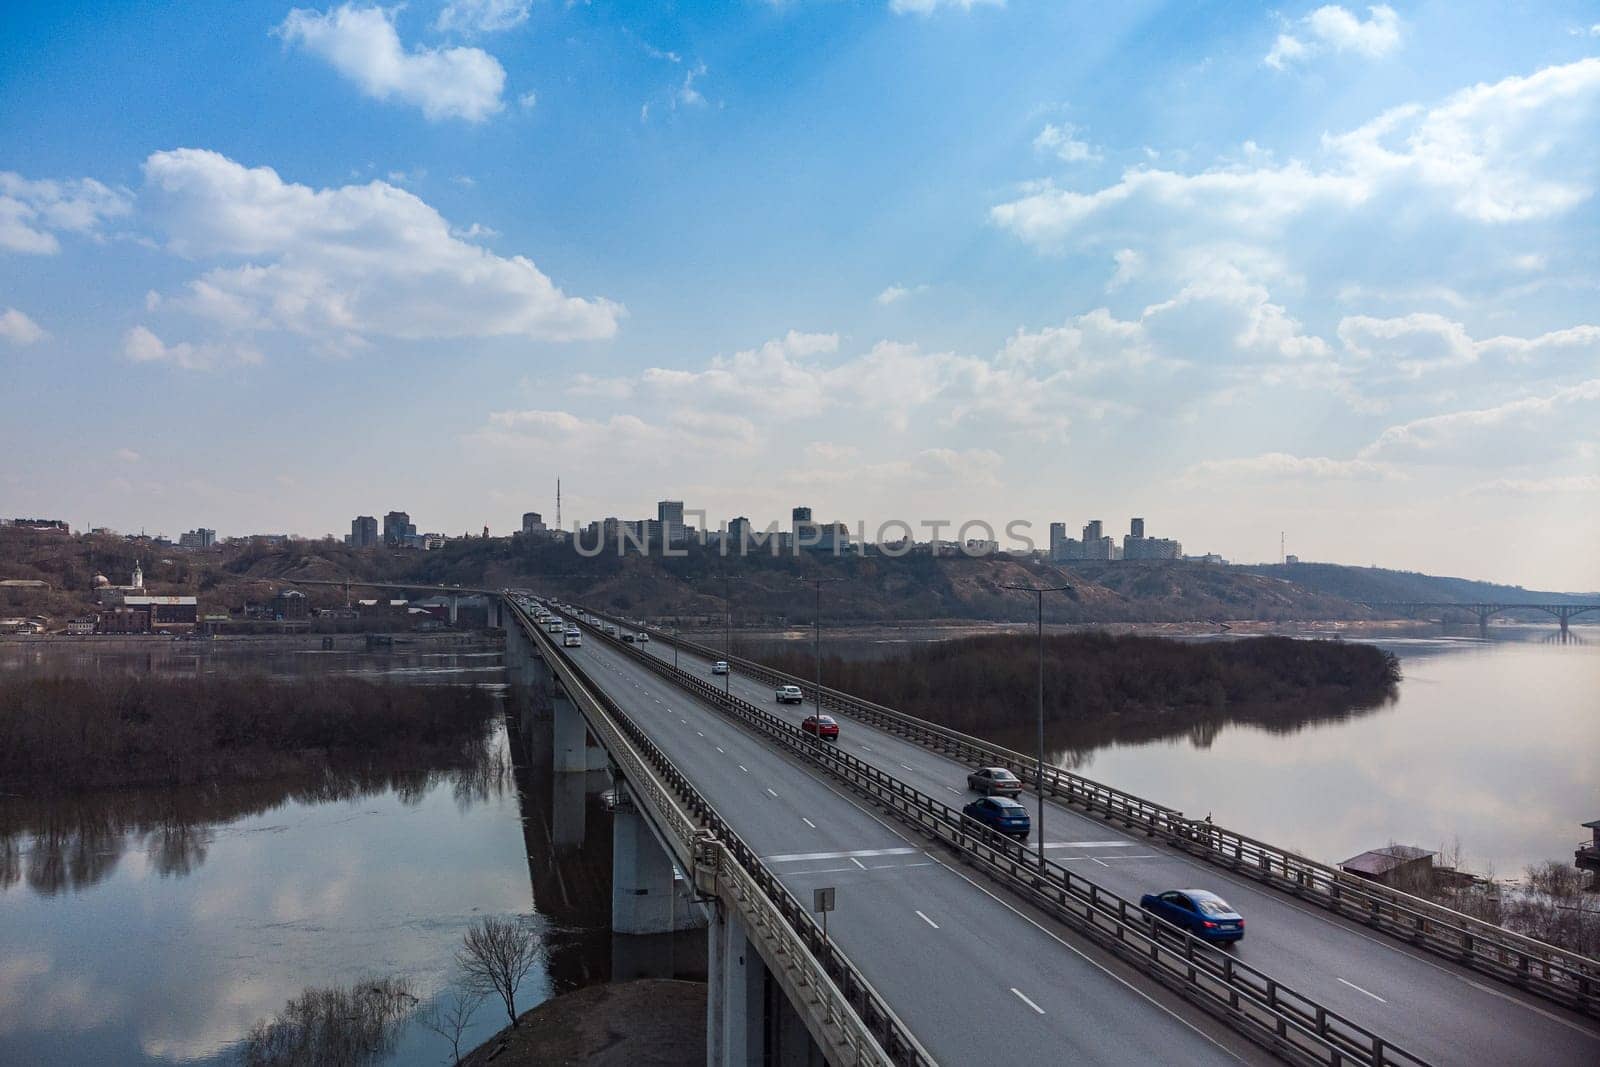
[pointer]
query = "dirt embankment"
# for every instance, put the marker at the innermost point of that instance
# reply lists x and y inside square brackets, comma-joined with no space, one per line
[647,1023]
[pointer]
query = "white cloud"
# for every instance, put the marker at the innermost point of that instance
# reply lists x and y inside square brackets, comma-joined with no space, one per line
[340,265]
[687,94]
[528,101]
[896,293]
[1576,484]
[1557,419]
[1129,263]
[1422,342]
[1518,149]
[482,16]
[18,329]
[928,7]
[140,345]
[32,211]
[1063,141]
[362,44]
[1282,466]
[127,455]
[1332,28]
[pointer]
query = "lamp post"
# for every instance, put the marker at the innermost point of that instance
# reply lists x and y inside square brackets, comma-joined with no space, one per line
[727,639]
[1038,594]
[816,643]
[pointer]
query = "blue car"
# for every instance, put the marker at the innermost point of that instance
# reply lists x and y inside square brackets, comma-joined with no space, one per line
[1002,814]
[1199,911]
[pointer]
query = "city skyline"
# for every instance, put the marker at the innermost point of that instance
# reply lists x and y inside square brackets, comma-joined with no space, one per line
[1250,271]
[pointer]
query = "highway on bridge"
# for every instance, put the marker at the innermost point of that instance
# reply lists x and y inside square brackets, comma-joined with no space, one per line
[1433,1008]
[975,977]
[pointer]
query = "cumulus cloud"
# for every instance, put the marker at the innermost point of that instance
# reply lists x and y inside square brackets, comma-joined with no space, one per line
[1332,28]
[1575,484]
[896,293]
[1566,415]
[1063,141]
[1283,466]
[1514,150]
[18,329]
[1422,342]
[361,43]
[341,265]
[482,16]
[141,345]
[33,212]
[928,7]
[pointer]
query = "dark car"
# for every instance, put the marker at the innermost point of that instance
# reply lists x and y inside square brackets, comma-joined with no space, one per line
[1199,911]
[821,725]
[1001,814]
[994,781]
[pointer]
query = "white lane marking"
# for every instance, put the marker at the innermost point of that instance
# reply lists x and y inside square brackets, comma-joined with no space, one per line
[743,768]
[927,920]
[795,857]
[1024,998]
[684,721]
[858,863]
[719,749]
[1358,989]
[1102,968]
[1090,844]
[1552,1016]
[697,733]
[953,789]
[866,748]
[1101,862]
[893,866]
[769,791]
[808,822]
[908,766]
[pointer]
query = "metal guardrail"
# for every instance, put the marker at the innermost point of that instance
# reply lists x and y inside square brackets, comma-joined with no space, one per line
[1291,1023]
[1567,978]
[861,1027]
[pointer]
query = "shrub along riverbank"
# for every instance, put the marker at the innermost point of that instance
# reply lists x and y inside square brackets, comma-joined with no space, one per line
[1104,687]
[60,734]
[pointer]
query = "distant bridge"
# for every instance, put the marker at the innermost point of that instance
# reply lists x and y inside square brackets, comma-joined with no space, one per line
[1482,610]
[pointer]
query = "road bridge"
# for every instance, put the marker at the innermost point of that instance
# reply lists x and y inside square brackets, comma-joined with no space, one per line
[1429,1001]
[1483,611]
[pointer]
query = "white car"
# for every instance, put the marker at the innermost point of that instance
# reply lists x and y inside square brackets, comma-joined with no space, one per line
[790,694]
[720,667]
[644,638]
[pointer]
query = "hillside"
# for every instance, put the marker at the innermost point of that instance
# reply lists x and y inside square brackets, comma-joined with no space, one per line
[766,590]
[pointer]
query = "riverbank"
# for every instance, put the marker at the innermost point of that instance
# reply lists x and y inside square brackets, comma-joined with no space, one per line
[645,1023]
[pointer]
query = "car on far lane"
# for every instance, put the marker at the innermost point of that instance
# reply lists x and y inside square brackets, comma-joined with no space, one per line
[1001,814]
[644,638]
[627,637]
[823,726]
[1199,911]
[994,782]
[789,694]
[720,667]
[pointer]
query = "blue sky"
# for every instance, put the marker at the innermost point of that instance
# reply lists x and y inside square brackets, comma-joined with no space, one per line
[1320,269]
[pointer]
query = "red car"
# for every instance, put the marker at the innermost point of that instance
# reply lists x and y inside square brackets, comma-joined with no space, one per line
[821,725]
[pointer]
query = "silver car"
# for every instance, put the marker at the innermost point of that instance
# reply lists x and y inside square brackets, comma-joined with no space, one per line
[994,782]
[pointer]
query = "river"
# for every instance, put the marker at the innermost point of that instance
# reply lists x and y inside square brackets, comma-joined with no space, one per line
[155,927]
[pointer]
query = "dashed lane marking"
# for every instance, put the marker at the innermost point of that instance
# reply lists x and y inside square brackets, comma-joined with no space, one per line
[769,790]
[1024,998]
[869,853]
[1358,989]
[927,920]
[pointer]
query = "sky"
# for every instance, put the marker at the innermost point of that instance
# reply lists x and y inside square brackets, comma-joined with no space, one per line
[1330,272]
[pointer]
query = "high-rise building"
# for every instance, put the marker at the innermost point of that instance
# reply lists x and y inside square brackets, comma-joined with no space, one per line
[1137,528]
[1094,531]
[1058,541]
[397,526]
[1137,546]
[200,537]
[669,514]
[532,522]
[363,531]
[738,532]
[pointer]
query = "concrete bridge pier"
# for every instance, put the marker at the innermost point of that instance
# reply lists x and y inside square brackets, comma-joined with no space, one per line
[648,896]
[749,1020]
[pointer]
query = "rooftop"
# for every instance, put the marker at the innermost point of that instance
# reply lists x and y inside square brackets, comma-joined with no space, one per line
[1383,860]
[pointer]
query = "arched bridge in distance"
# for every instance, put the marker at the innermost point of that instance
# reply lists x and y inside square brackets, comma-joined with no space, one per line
[1483,611]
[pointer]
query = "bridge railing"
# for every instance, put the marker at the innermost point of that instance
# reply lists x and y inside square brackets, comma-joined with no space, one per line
[862,1028]
[1266,1010]
[1567,978]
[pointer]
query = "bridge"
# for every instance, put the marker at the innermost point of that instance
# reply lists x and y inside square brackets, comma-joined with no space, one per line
[951,946]
[1483,611]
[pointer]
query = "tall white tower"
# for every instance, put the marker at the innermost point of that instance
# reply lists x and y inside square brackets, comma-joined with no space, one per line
[138,575]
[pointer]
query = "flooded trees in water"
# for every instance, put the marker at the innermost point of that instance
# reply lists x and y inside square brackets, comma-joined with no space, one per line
[496,955]
[334,1026]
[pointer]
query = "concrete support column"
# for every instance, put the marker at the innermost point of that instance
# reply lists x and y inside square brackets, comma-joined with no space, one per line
[792,1044]
[735,995]
[568,809]
[596,758]
[645,892]
[455,608]
[571,737]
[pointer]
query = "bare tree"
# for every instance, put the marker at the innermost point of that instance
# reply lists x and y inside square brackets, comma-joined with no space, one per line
[450,1019]
[496,955]
[337,1026]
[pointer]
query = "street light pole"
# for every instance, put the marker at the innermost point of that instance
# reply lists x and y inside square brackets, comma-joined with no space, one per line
[816,644]
[1038,594]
